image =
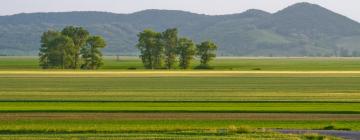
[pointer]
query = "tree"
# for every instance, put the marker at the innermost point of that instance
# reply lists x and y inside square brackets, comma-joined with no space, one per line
[56,51]
[206,51]
[170,38]
[79,36]
[44,54]
[186,50]
[61,50]
[156,48]
[151,49]
[91,53]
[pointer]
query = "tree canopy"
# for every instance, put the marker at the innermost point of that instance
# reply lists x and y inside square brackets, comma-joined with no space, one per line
[61,50]
[151,49]
[206,51]
[91,53]
[186,50]
[165,49]
[170,39]
[79,36]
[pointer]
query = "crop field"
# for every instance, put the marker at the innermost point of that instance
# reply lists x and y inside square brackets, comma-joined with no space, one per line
[256,107]
[243,98]
[180,89]
[226,63]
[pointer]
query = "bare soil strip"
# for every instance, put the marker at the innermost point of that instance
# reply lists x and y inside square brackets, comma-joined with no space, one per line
[177,116]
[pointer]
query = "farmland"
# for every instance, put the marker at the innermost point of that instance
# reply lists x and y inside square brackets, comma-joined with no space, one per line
[226,63]
[257,94]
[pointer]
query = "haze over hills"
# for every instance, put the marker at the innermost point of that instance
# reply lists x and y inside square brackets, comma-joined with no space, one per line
[302,29]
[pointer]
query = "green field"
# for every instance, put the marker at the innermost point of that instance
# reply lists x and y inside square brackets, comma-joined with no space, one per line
[242,64]
[257,107]
[296,93]
[75,125]
[166,136]
[128,126]
[180,89]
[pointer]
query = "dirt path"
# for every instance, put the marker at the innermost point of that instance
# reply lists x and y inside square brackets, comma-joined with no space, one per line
[352,135]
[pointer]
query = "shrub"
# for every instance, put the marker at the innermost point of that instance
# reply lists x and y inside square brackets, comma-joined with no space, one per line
[332,127]
[244,129]
[318,137]
[232,129]
[314,137]
[204,67]
[240,129]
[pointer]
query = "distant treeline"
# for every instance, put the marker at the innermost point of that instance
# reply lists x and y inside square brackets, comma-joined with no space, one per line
[75,48]
[165,50]
[72,48]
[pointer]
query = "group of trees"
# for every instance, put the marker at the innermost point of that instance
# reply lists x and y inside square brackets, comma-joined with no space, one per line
[72,48]
[75,48]
[166,49]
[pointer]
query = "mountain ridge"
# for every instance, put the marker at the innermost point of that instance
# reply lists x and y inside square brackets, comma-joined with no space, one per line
[302,29]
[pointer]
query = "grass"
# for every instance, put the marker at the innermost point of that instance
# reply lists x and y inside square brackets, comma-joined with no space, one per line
[161,136]
[242,64]
[160,123]
[180,89]
[255,107]
[114,125]
[332,127]
[124,100]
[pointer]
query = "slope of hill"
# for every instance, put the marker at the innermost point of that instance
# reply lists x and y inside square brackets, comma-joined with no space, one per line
[302,29]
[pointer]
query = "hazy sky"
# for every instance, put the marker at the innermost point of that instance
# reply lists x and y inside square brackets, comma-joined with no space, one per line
[348,8]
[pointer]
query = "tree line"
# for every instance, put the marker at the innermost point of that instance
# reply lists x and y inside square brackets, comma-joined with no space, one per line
[159,50]
[74,48]
[71,48]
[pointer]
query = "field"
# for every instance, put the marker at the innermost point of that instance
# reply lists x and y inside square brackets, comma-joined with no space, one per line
[226,63]
[241,98]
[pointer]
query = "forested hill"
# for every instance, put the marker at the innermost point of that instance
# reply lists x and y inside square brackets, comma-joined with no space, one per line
[302,29]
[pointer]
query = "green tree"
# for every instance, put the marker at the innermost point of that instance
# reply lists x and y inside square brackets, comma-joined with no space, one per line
[151,49]
[44,52]
[79,36]
[186,50]
[170,38]
[206,52]
[91,53]
[61,50]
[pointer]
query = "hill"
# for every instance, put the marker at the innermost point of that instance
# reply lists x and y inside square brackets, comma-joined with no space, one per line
[302,29]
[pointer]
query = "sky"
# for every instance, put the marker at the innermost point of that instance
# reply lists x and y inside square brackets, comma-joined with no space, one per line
[349,8]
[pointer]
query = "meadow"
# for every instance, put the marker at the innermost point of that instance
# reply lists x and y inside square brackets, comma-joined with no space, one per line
[240,98]
[180,89]
[222,63]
